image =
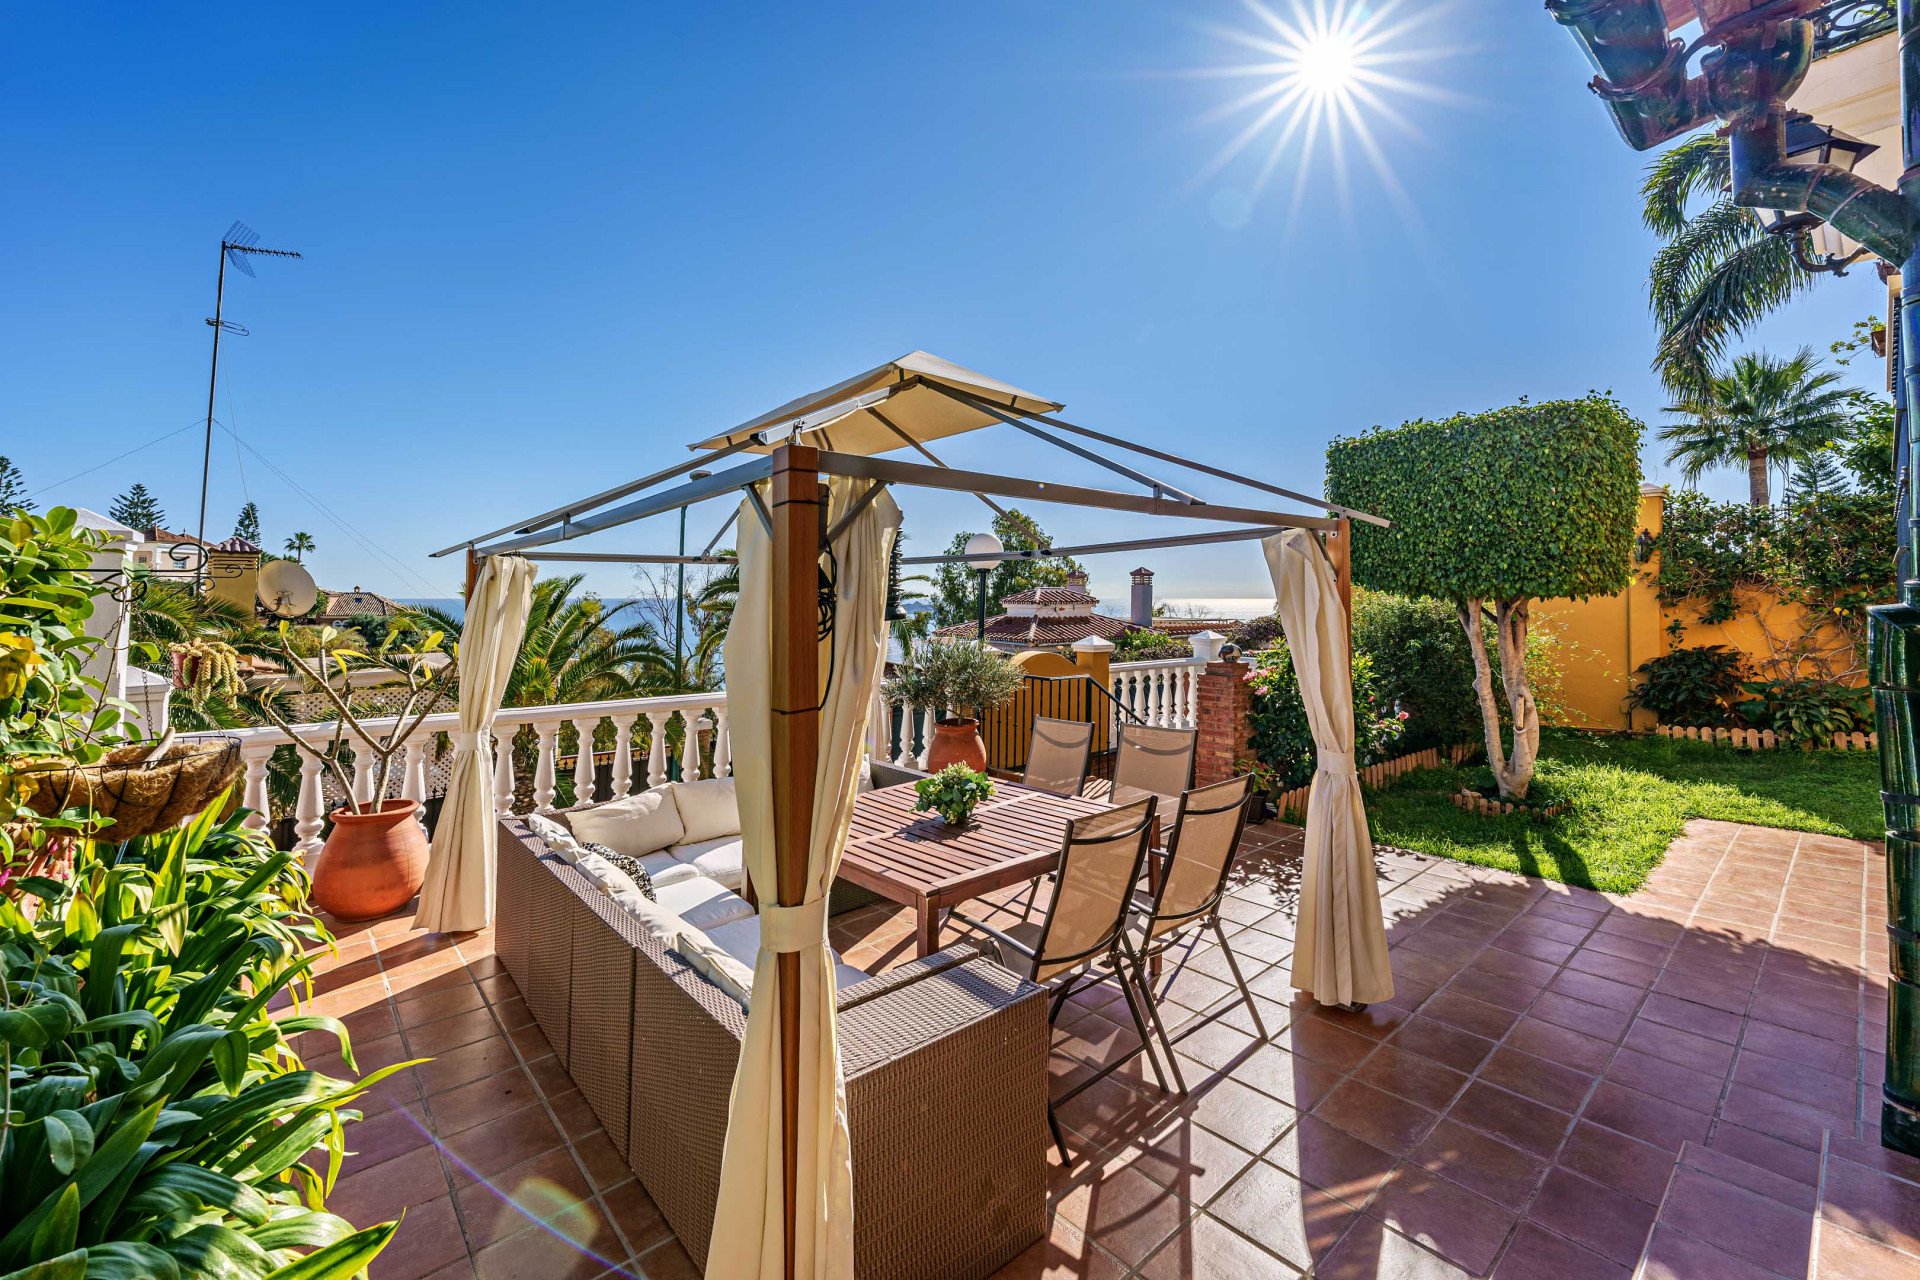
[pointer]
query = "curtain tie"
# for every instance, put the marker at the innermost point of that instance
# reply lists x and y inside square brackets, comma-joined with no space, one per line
[465,738]
[794,928]
[1337,763]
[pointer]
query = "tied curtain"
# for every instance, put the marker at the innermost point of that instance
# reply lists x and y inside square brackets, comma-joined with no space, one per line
[457,894]
[749,1222]
[1340,953]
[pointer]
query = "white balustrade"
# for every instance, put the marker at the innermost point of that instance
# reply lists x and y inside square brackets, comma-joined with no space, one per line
[699,713]
[1165,692]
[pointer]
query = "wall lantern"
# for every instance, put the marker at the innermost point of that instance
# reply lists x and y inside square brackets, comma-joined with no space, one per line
[1810,143]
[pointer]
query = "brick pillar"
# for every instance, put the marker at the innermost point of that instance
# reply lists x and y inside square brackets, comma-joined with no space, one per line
[1225,729]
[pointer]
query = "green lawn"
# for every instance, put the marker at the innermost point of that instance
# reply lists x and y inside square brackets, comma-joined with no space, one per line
[1631,797]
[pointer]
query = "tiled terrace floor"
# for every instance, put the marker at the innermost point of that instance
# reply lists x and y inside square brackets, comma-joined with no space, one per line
[1565,1085]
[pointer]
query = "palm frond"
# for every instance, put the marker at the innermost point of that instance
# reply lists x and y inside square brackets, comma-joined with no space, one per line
[1696,167]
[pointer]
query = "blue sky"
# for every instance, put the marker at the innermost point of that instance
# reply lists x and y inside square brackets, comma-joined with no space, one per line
[546,246]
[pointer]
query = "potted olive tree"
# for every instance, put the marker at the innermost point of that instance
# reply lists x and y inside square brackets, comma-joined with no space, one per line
[376,856]
[963,680]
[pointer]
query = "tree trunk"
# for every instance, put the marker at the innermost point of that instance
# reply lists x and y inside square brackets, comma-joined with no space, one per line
[1511,773]
[1757,478]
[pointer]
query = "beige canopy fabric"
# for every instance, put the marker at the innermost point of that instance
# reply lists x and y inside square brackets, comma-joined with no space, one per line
[1340,947]
[748,1227]
[853,416]
[458,892]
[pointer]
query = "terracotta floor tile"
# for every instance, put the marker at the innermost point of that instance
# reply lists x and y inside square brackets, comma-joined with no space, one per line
[1768,1152]
[483,1150]
[1278,1211]
[546,1187]
[1716,1024]
[1294,1080]
[1380,1119]
[1520,1121]
[1646,1117]
[1602,963]
[1838,1093]
[1558,1044]
[1615,1160]
[426,1242]
[1495,989]
[1561,1088]
[1458,1009]
[445,1002]
[1723,1165]
[1695,1090]
[1191,1161]
[1873,1204]
[1322,1042]
[1333,1160]
[1449,1046]
[1684,1047]
[380,1192]
[1842,1253]
[1769,1113]
[1369,1250]
[1124,1212]
[1460,1226]
[1538,1254]
[1738,1221]
[438,1038]
[1506,1175]
[1245,1117]
[560,1250]
[1674,1255]
[1603,1220]
[382,1137]
[1207,1249]
[1410,1076]
[483,1100]
[1593,1020]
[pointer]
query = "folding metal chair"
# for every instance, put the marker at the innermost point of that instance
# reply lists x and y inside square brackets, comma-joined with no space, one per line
[1151,758]
[1100,861]
[1206,833]
[1057,755]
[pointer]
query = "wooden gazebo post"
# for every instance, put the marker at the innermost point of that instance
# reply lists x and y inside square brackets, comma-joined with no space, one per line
[795,700]
[1340,553]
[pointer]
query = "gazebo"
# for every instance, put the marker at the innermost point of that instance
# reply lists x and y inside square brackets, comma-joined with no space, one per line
[815,526]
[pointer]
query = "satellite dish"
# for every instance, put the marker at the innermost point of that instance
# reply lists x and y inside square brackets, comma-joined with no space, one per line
[286,589]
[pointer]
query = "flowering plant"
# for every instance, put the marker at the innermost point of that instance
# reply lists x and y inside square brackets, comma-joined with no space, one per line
[1282,740]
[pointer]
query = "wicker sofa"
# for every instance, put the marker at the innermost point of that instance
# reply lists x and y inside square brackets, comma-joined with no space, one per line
[945,1061]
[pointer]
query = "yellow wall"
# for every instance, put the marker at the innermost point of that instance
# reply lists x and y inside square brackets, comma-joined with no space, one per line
[1607,639]
[233,577]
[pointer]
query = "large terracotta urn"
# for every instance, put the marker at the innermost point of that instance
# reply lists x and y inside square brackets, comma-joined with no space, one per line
[373,863]
[956,742]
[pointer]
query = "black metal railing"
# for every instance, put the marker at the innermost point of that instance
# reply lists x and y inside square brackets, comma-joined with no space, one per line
[1009,731]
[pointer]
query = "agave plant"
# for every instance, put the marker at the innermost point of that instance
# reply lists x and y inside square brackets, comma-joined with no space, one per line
[155,1122]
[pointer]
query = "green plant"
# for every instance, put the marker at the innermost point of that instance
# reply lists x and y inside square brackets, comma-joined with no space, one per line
[1540,502]
[13,489]
[156,1123]
[957,588]
[1690,686]
[206,668]
[1759,410]
[1146,645]
[952,793]
[1255,634]
[1282,739]
[954,675]
[299,544]
[1421,665]
[1808,711]
[137,509]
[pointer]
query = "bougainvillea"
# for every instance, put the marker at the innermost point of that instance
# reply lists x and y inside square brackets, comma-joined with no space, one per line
[1533,501]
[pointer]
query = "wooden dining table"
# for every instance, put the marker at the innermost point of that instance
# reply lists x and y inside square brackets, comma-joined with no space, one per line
[918,860]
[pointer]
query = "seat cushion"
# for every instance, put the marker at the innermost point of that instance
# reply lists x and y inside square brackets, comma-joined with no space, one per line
[611,879]
[741,940]
[665,869]
[718,859]
[708,809]
[635,825]
[702,903]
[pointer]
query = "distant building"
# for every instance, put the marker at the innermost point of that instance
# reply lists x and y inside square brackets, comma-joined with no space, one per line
[1056,617]
[338,606]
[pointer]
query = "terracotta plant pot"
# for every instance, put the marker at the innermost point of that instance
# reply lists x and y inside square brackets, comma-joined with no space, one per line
[956,742]
[373,863]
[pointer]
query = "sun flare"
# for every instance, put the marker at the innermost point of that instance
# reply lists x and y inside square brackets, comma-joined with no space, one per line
[1326,72]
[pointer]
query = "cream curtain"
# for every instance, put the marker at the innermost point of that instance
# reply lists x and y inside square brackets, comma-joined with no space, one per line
[458,892]
[1340,947]
[748,1227]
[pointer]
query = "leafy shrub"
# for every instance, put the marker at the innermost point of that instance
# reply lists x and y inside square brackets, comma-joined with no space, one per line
[1255,634]
[1809,711]
[1282,740]
[161,1126]
[1421,665]
[1144,646]
[1691,686]
[952,675]
[953,792]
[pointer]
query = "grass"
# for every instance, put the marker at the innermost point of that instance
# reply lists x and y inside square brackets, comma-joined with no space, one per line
[1631,796]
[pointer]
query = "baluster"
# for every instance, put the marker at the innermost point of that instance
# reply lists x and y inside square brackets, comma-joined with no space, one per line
[543,772]
[503,781]
[1156,698]
[1192,718]
[722,744]
[656,749]
[623,754]
[414,784]
[690,744]
[309,810]
[254,791]
[583,760]
[363,774]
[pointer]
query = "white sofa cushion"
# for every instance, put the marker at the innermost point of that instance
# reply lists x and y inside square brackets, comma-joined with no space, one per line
[611,879]
[665,869]
[702,903]
[708,809]
[558,838]
[741,940]
[718,859]
[635,825]
[688,942]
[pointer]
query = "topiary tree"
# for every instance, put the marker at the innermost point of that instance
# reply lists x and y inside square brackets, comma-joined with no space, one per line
[1530,502]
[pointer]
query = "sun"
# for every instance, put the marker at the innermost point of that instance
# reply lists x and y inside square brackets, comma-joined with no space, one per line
[1327,73]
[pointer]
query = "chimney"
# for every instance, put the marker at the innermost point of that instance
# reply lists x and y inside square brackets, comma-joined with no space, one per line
[1143,597]
[1077,580]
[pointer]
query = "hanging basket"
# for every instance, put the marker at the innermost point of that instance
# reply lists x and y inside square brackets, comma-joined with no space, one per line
[141,797]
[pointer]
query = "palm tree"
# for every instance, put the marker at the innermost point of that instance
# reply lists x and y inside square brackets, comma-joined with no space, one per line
[1761,410]
[1717,272]
[300,544]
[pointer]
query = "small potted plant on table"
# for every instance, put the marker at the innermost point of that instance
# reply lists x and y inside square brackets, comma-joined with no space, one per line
[953,793]
[964,680]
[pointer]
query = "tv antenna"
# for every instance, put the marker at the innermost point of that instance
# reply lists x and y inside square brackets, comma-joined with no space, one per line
[240,241]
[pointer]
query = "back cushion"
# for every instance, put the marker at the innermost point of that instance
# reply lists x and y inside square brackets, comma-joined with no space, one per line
[708,809]
[635,825]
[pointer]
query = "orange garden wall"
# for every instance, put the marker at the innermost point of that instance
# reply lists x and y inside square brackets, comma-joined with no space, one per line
[1607,638]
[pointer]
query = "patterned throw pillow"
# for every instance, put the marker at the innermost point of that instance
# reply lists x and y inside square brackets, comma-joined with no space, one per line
[629,865]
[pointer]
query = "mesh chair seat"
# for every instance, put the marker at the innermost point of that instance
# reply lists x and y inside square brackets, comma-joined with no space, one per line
[1155,759]
[1057,755]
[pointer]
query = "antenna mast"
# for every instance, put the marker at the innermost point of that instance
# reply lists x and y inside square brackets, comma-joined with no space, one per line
[239,241]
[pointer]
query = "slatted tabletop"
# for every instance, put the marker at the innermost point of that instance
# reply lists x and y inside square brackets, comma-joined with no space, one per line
[919,860]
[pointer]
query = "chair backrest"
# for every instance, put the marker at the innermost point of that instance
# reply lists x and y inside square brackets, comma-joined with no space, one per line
[1200,852]
[1155,759]
[1057,755]
[1100,861]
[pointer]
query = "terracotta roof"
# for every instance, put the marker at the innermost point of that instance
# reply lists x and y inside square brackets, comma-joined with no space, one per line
[239,546]
[1050,595]
[165,535]
[344,604]
[1041,633]
[1184,627]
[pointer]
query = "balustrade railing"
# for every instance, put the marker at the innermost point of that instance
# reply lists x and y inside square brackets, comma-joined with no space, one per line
[420,771]
[1164,692]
